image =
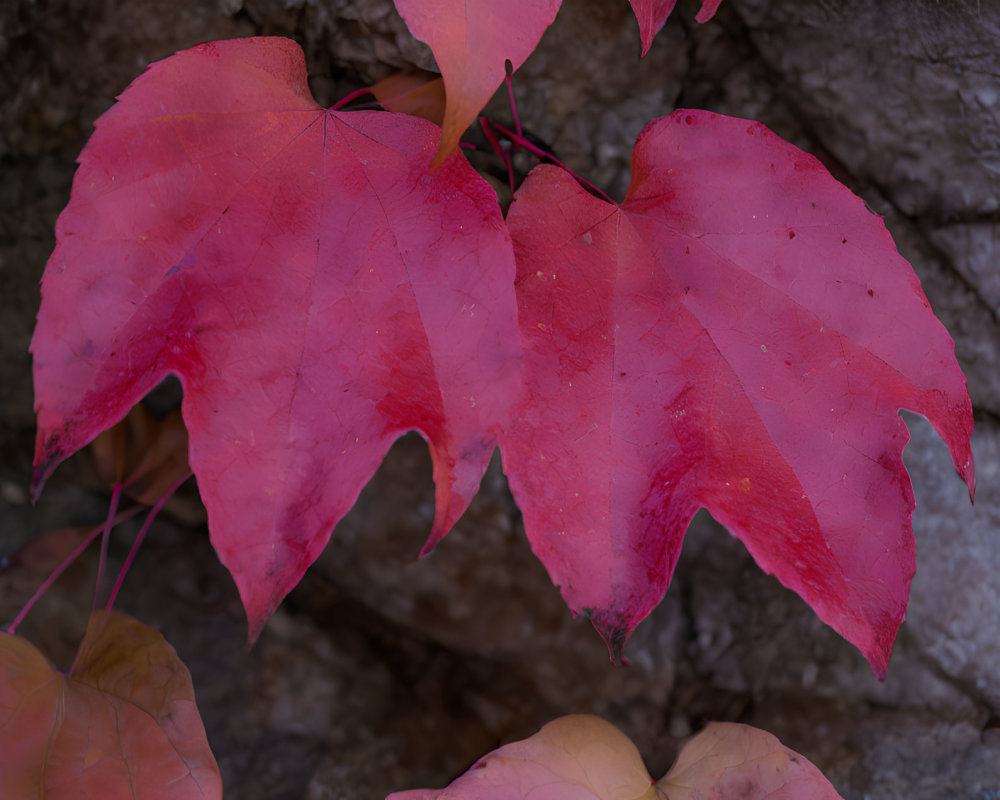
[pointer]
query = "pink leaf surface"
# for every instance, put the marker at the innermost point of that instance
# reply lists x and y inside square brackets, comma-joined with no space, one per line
[582,757]
[122,725]
[739,335]
[652,15]
[317,288]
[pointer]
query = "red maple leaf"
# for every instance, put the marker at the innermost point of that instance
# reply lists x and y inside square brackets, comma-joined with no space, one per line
[317,288]
[739,335]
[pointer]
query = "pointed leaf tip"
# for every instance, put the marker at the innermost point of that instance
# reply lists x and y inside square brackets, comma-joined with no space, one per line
[652,15]
[708,9]
[471,42]
[614,633]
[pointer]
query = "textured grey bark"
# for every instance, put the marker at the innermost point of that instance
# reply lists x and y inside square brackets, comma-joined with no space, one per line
[381,672]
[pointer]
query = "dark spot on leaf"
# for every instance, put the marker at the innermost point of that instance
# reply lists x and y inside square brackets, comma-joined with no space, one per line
[689,119]
[621,374]
[791,234]
[788,363]
[871,293]
[586,612]
[687,251]
[687,289]
[843,240]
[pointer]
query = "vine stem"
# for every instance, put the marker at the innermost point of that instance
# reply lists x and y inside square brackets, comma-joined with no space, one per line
[516,137]
[508,69]
[141,536]
[343,101]
[124,515]
[521,141]
[502,153]
[116,496]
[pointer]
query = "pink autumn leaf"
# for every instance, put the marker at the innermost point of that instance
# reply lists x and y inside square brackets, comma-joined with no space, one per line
[317,288]
[582,757]
[738,335]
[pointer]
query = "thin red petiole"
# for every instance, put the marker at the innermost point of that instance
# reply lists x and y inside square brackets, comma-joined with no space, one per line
[521,141]
[142,535]
[124,515]
[498,148]
[508,79]
[116,495]
[350,98]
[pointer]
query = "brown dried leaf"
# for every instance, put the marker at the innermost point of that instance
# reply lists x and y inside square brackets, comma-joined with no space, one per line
[122,725]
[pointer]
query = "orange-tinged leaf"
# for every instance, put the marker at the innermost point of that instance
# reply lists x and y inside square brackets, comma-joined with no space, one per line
[731,760]
[417,92]
[122,724]
[471,41]
[583,757]
[145,453]
[29,699]
[577,757]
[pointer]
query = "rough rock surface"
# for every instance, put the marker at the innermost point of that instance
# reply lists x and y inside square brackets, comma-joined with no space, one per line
[381,672]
